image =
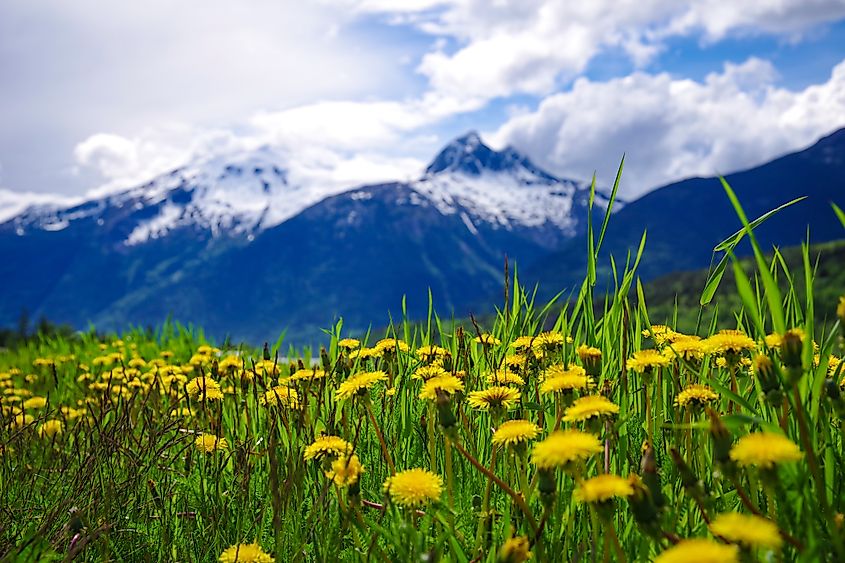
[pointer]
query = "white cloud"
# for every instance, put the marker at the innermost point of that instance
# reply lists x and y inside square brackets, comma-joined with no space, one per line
[533,46]
[74,69]
[673,128]
[123,162]
[339,144]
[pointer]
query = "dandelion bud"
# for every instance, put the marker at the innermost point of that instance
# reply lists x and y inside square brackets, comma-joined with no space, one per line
[651,475]
[354,493]
[775,397]
[444,411]
[324,359]
[834,393]
[591,360]
[643,507]
[790,352]
[764,369]
[840,311]
[515,550]
[266,351]
[215,369]
[547,485]
[722,440]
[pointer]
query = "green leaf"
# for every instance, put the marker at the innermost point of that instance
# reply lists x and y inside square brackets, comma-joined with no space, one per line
[771,287]
[726,391]
[610,203]
[729,244]
[839,213]
[735,238]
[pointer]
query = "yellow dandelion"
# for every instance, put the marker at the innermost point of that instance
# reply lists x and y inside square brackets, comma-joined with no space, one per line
[765,449]
[309,374]
[603,488]
[516,362]
[22,420]
[747,529]
[245,553]
[428,372]
[729,342]
[504,377]
[43,362]
[414,487]
[51,428]
[688,348]
[201,388]
[428,353]
[181,412]
[281,395]
[515,432]
[522,342]
[773,340]
[559,380]
[661,334]
[487,340]
[137,362]
[548,340]
[833,365]
[230,364]
[447,383]
[363,353]
[587,353]
[349,343]
[589,407]
[515,550]
[699,550]
[35,403]
[696,395]
[646,360]
[499,397]
[327,446]
[71,413]
[209,443]
[266,367]
[359,384]
[564,447]
[345,471]
[391,345]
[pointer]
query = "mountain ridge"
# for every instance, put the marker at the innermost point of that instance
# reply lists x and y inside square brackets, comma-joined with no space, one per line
[695,214]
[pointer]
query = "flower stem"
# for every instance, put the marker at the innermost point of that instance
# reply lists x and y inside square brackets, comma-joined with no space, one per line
[380,436]
[450,483]
[517,498]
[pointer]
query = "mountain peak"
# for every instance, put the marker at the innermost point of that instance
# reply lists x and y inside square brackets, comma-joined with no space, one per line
[469,155]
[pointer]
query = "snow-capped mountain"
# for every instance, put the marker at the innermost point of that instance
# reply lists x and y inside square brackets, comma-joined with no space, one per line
[240,195]
[236,244]
[233,194]
[502,188]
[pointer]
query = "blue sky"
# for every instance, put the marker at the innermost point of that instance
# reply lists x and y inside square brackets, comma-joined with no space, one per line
[98,97]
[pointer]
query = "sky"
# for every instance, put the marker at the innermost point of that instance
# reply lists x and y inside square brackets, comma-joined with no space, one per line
[99,96]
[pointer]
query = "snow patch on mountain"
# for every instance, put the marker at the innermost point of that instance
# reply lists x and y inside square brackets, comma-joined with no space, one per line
[14,203]
[499,198]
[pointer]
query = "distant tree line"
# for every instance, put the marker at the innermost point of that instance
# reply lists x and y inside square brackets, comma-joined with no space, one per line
[27,330]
